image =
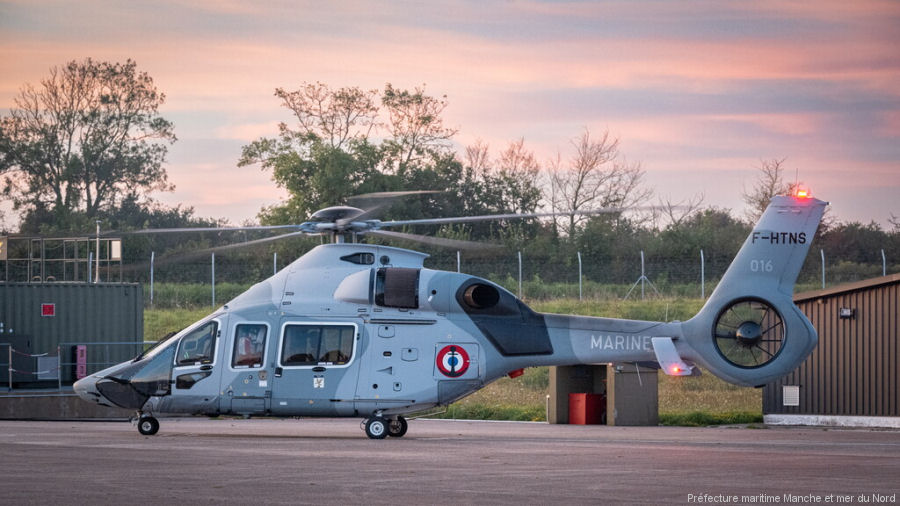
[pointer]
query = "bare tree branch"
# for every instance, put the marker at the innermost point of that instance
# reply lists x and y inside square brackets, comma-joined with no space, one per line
[597,176]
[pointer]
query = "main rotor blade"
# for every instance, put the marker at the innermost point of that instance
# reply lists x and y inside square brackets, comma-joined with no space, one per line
[435,241]
[512,216]
[372,203]
[366,213]
[188,255]
[389,195]
[199,229]
[250,243]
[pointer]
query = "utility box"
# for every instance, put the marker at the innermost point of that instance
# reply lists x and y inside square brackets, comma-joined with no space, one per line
[630,392]
[54,318]
[633,395]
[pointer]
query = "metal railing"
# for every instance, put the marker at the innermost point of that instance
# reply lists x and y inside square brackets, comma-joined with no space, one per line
[98,356]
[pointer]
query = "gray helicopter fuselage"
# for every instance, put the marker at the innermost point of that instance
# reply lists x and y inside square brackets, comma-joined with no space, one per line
[399,326]
[366,330]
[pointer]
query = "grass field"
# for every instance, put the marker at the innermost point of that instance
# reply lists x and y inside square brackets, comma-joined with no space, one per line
[703,400]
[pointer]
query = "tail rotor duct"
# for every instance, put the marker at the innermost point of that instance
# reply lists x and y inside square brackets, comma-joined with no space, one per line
[749,333]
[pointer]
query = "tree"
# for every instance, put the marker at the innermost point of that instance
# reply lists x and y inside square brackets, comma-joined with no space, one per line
[415,126]
[676,213]
[329,156]
[507,185]
[598,176]
[87,139]
[769,183]
[333,116]
[712,230]
[315,174]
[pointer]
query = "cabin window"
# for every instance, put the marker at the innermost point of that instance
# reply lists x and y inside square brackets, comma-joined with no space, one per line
[312,345]
[198,345]
[249,345]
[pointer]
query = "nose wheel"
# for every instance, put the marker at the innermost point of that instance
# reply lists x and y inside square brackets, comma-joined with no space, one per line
[148,425]
[379,427]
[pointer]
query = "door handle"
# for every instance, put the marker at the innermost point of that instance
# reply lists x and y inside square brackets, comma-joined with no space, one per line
[318,369]
[205,367]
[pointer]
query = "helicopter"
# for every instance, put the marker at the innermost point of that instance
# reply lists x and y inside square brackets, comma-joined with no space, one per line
[365,330]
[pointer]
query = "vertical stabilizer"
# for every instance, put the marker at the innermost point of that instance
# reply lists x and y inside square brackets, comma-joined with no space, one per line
[749,331]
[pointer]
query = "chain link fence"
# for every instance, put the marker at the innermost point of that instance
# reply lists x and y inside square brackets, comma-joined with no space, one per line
[217,278]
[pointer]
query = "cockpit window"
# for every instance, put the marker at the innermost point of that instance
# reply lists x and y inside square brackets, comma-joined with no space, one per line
[198,346]
[317,345]
[249,345]
[158,347]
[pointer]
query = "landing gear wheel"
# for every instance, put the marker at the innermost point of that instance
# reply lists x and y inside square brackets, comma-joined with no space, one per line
[148,425]
[397,427]
[376,428]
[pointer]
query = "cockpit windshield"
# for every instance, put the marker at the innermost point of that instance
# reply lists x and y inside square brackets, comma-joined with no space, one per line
[157,347]
[169,340]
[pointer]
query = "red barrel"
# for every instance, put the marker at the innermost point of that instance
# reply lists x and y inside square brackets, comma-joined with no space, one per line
[586,409]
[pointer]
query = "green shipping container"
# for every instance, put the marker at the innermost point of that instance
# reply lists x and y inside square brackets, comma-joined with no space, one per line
[107,319]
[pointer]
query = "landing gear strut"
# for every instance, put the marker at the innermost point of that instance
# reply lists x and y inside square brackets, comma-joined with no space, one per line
[148,425]
[378,427]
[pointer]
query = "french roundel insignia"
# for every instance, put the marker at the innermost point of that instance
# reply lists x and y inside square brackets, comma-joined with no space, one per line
[453,361]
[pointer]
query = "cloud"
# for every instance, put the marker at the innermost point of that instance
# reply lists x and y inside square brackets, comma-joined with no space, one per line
[703,86]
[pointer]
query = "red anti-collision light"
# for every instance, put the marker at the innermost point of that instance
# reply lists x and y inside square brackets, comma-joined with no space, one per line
[802,194]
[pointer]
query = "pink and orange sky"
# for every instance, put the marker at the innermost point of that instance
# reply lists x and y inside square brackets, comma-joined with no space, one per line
[698,91]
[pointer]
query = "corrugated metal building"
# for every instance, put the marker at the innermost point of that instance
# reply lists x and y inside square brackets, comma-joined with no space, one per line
[851,378]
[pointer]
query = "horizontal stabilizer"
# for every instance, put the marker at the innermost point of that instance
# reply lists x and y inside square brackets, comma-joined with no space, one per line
[668,357]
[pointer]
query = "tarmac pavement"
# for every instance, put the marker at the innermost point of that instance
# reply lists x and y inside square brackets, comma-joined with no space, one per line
[331,461]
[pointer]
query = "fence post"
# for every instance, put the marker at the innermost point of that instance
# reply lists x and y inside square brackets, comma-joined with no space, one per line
[90,265]
[458,262]
[579,277]
[58,368]
[643,276]
[822,253]
[10,369]
[213,276]
[520,274]
[883,264]
[152,261]
[702,275]
[97,258]
[275,263]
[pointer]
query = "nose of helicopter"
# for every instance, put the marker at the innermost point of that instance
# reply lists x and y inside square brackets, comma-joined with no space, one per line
[86,388]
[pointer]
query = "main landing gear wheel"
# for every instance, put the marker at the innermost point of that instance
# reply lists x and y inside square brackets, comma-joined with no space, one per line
[749,333]
[397,427]
[148,425]
[376,428]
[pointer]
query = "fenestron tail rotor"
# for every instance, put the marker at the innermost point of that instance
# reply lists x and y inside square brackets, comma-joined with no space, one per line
[749,333]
